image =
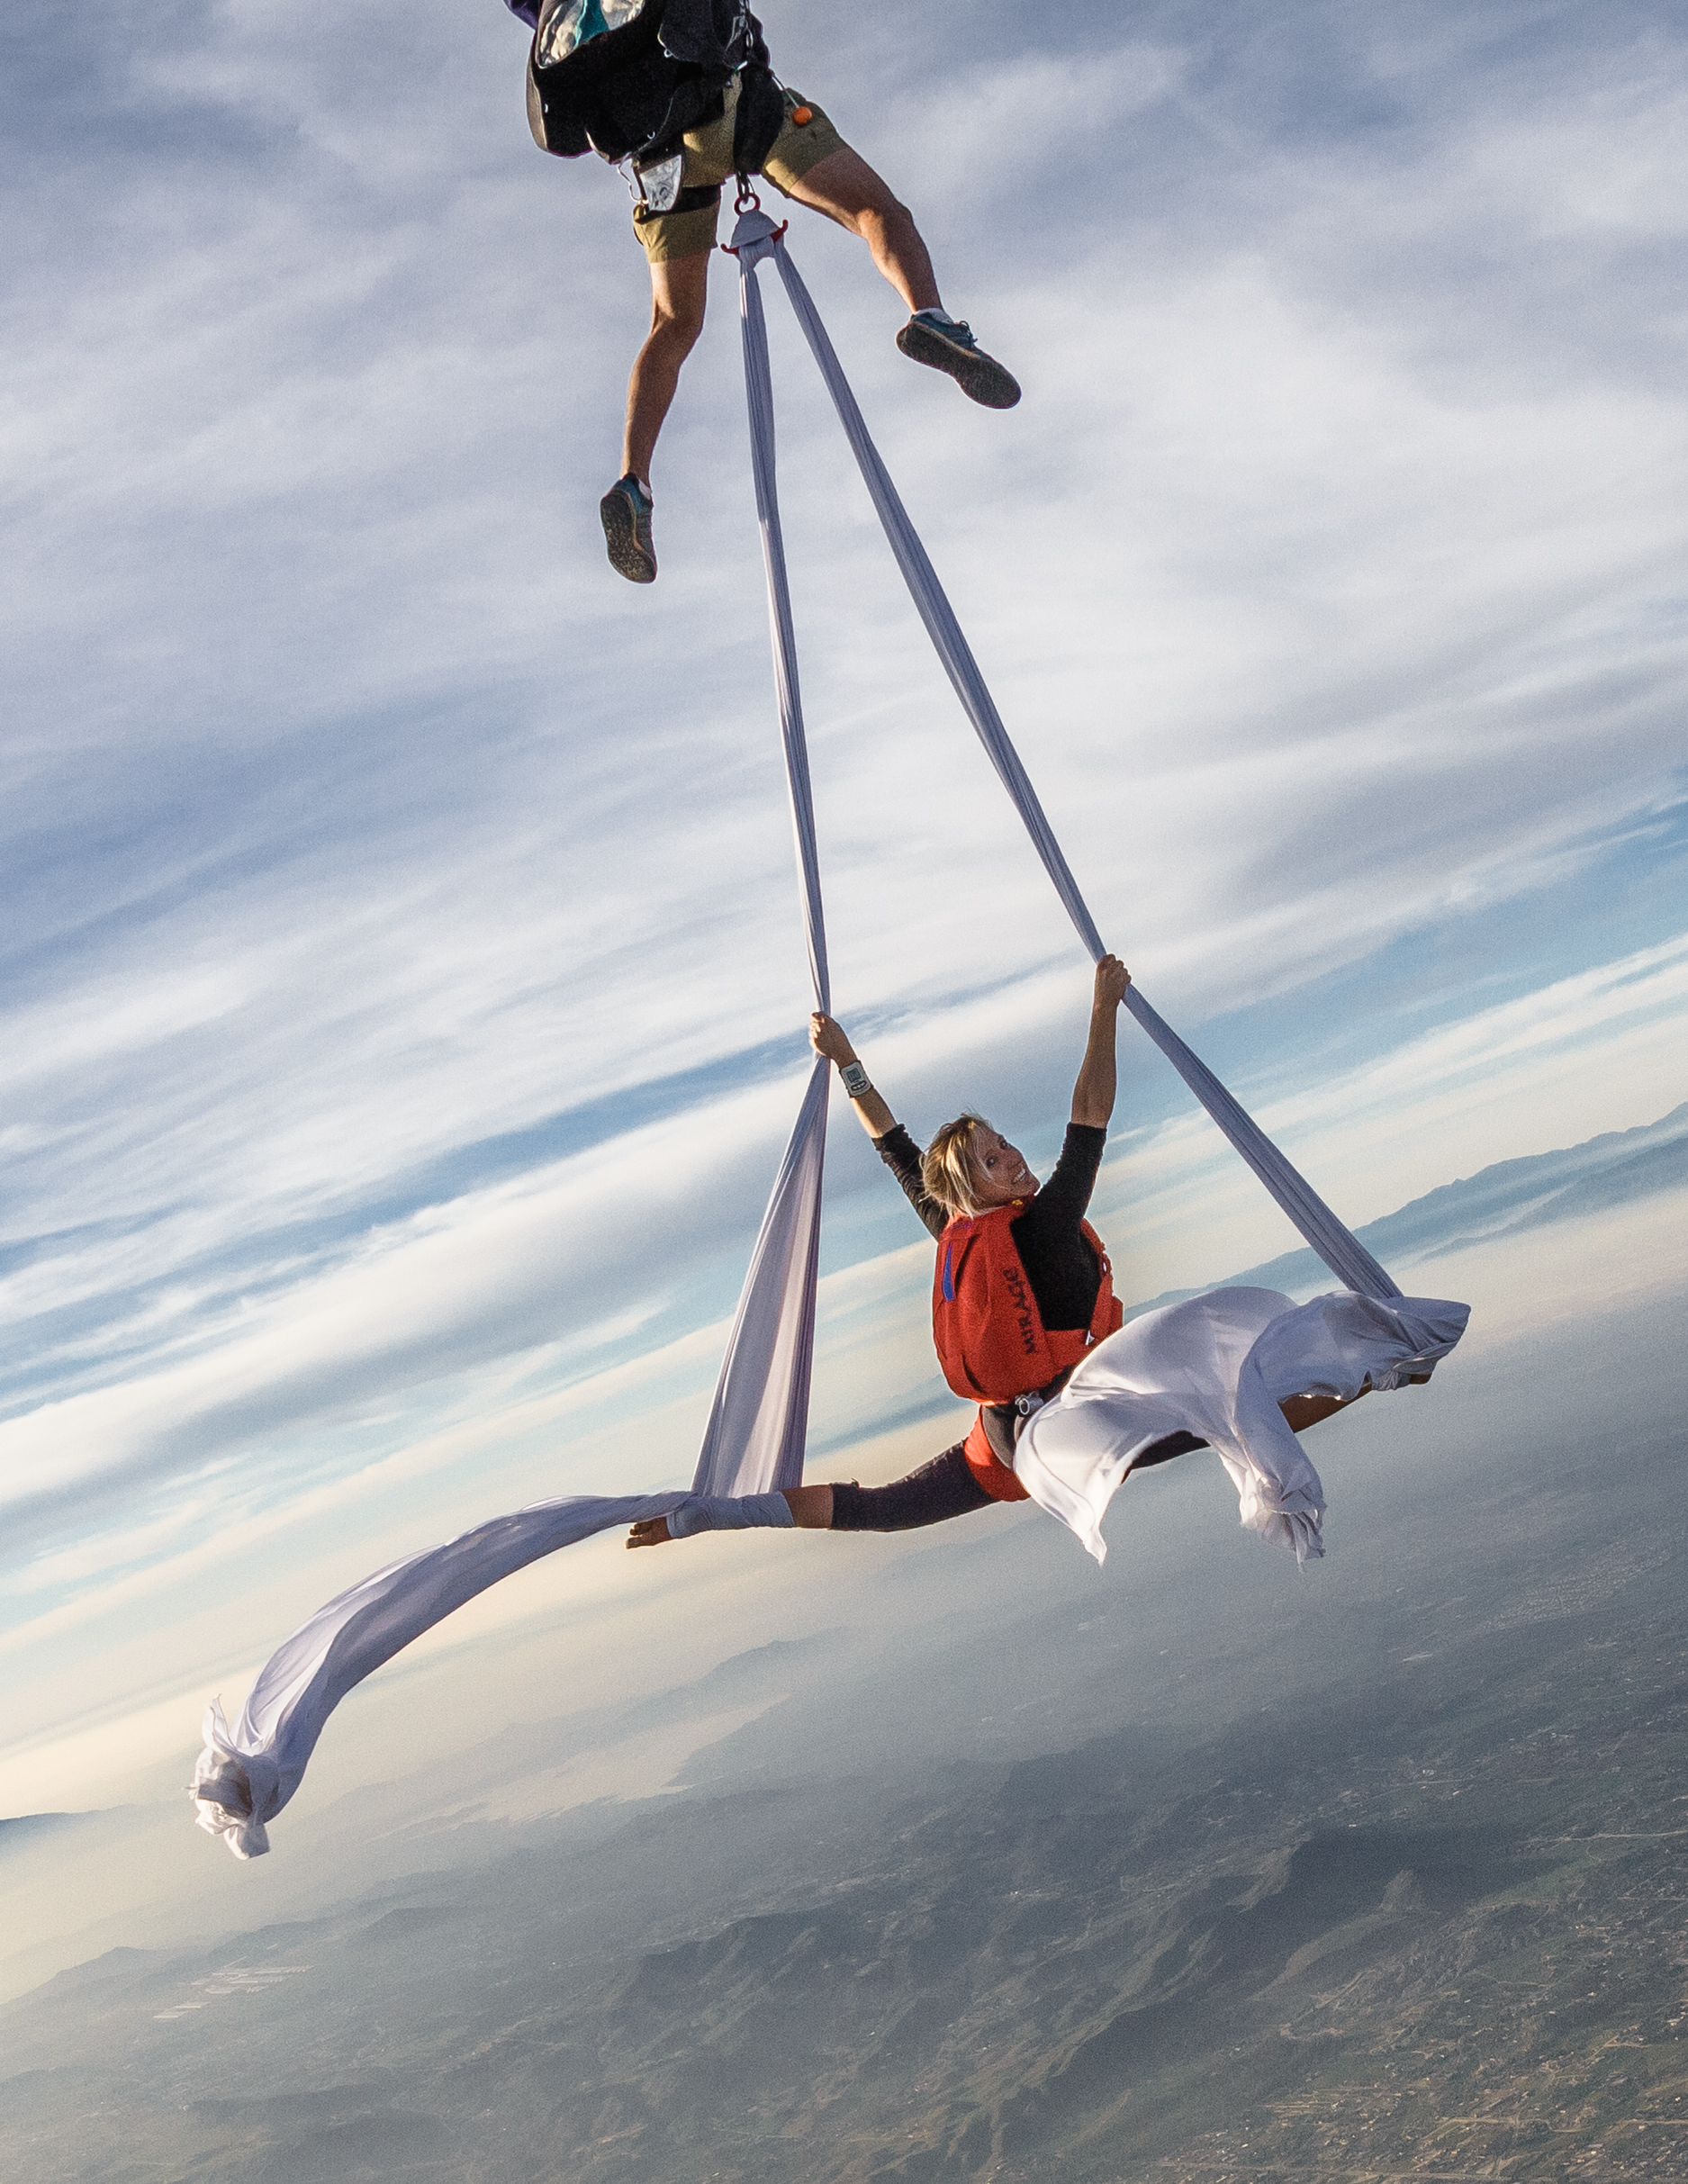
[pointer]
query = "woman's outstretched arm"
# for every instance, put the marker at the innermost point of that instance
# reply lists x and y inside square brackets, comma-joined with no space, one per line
[1092,1095]
[810,1507]
[827,1036]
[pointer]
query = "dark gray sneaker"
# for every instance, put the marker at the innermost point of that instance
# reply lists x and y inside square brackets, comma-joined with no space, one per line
[948,346]
[625,510]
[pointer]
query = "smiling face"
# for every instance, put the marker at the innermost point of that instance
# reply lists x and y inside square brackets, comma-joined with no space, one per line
[1000,1174]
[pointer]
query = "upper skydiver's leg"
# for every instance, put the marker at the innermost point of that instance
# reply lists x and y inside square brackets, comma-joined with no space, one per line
[846,188]
[679,292]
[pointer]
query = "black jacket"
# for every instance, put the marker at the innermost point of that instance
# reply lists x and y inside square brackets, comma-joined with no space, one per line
[638,89]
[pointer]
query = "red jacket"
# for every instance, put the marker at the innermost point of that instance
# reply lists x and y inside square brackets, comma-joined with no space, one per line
[990,1337]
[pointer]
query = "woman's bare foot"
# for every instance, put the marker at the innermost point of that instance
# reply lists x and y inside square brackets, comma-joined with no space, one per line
[649,1531]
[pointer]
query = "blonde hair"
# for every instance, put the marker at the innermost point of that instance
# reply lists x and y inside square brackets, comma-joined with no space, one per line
[947,1169]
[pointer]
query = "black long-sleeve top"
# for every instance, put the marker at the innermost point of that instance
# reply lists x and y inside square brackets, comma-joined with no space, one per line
[1059,1264]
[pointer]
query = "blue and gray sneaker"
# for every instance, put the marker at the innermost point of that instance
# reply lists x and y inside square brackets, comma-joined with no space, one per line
[947,344]
[625,510]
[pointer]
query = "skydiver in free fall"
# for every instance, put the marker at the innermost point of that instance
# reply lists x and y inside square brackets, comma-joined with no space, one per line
[680,92]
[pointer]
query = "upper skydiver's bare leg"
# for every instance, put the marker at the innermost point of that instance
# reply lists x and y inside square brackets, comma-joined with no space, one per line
[843,186]
[679,292]
[846,188]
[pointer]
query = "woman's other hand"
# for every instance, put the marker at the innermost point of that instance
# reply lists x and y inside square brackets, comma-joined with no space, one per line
[1098,1076]
[826,1036]
[1111,979]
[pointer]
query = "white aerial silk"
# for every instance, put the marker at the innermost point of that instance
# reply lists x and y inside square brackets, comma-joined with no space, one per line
[759,1420]
[245,1774]
[1218,1367]
[1208,1367]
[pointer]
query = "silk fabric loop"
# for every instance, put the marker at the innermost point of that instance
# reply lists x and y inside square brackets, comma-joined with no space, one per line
[1219,1366]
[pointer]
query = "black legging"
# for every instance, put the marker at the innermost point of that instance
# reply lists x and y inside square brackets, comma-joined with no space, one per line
[946,1487]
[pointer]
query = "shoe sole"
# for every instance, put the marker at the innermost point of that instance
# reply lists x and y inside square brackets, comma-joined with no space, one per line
[628,557]
[979,377]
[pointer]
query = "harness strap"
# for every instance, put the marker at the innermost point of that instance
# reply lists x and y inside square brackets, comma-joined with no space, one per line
[1004,1423]
[757,121]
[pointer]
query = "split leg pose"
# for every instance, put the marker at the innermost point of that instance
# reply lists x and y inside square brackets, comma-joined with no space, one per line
[1022,1290]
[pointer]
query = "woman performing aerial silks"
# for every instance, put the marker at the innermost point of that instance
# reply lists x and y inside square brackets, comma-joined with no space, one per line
[1027,1327]
[1023,1295]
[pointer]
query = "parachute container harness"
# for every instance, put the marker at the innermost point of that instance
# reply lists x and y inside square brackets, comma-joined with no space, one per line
[758,1421]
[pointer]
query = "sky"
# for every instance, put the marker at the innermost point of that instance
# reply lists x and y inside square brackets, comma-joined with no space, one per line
[402,982]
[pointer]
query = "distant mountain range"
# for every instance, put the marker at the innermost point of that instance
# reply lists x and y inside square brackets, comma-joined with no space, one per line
[26,1825]
[1182,1877]
[1613,1169]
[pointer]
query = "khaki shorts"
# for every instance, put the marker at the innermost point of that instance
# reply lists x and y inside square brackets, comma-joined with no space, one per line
[708,163]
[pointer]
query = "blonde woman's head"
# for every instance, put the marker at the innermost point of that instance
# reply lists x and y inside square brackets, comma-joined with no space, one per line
[971,1166]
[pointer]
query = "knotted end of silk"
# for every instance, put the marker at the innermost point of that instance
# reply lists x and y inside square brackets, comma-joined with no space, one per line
[234,1792]
[755,236]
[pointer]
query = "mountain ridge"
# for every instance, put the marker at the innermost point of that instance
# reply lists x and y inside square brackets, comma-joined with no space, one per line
[1531,1191]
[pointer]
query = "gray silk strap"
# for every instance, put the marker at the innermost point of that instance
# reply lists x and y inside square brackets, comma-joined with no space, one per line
[753,238]
[759,1419]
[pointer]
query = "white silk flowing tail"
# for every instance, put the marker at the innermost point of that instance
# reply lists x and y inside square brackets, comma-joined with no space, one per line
[1218,1367]
[758,1422]
[245,1774]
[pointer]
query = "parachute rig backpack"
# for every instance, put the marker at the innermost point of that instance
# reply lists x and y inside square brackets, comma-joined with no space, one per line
[628,78]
